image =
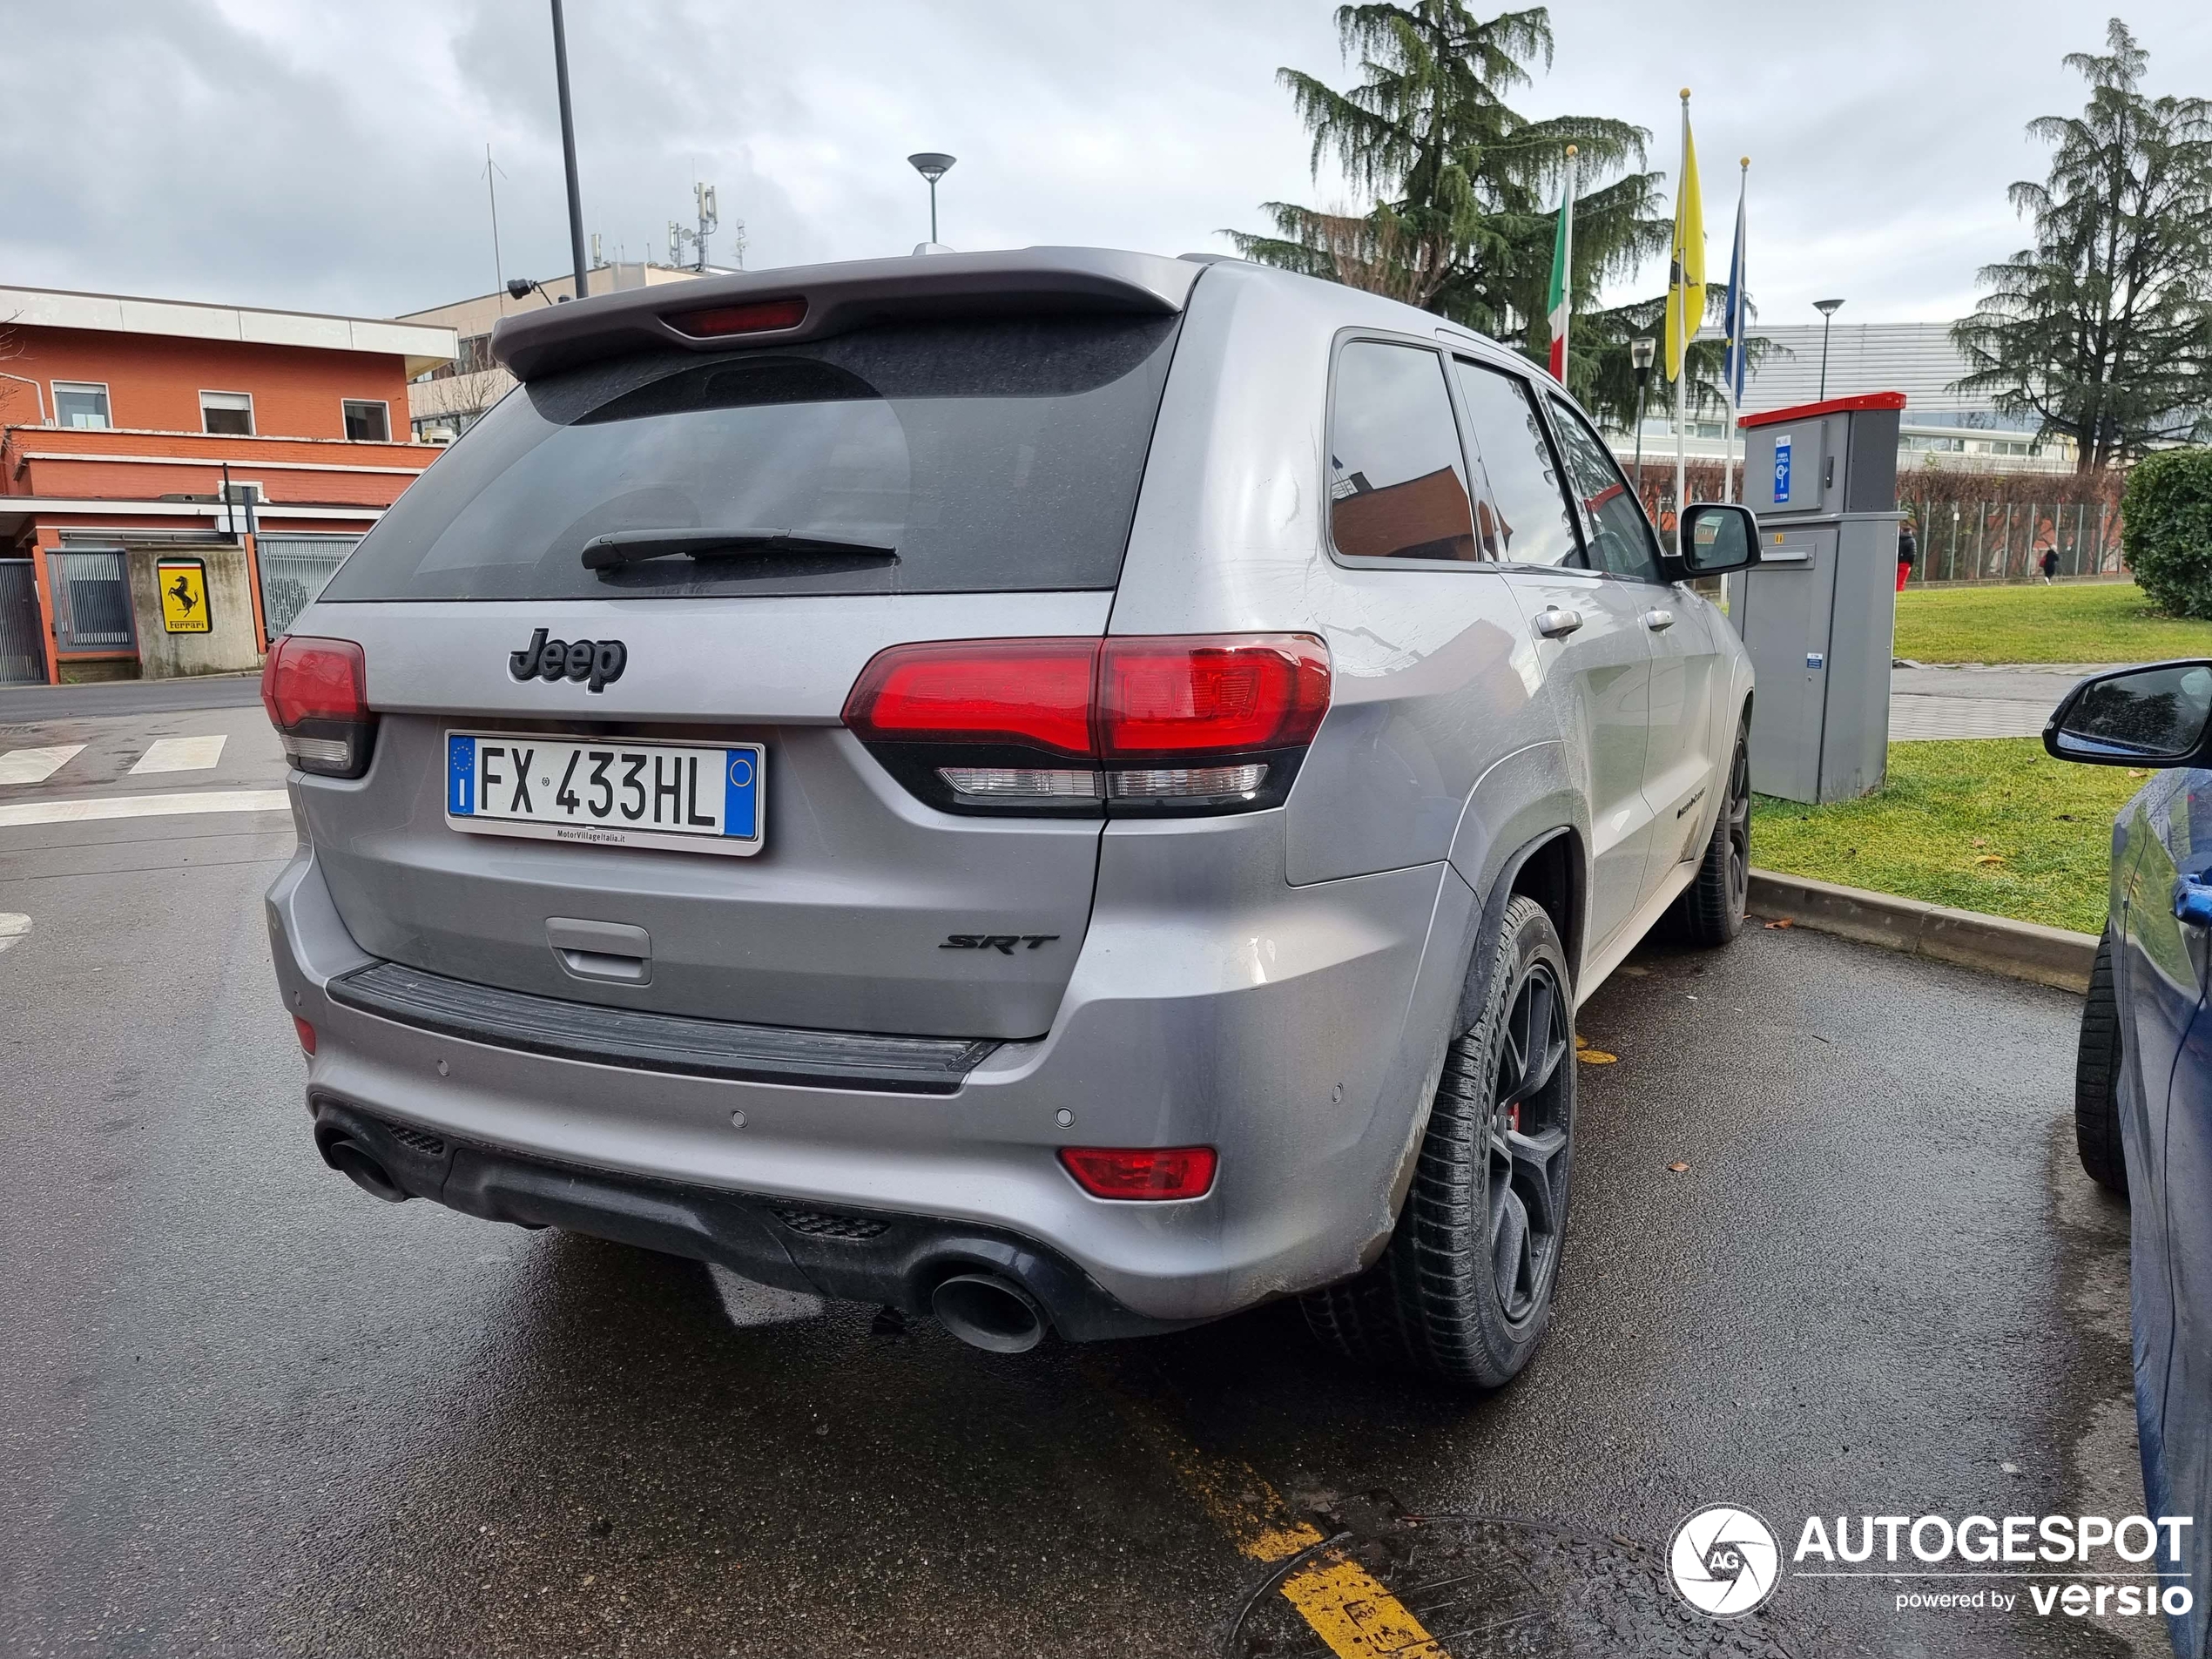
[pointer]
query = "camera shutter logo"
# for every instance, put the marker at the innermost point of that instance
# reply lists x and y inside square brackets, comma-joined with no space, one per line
[1724,1560]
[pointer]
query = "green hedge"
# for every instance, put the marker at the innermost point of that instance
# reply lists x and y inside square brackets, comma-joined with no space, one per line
[2168,534]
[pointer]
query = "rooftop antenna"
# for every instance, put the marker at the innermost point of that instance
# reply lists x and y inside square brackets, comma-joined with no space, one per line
[710,218]
[491,190]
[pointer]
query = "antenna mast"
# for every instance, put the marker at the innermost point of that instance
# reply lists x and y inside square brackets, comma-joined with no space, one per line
[491,190]
[709,220]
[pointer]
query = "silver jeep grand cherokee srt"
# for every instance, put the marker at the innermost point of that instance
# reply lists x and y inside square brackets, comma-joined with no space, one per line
[1061,789]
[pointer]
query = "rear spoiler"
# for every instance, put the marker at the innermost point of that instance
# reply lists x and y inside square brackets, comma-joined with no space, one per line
[805,302]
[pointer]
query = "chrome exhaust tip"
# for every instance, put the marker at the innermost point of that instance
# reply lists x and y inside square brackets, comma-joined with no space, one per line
[989,1313]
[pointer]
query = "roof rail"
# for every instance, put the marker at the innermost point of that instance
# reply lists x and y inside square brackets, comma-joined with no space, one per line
[806,302]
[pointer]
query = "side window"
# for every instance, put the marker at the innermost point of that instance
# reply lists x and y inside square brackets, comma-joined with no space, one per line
[1522,518]
[1397,482]
[1620,536]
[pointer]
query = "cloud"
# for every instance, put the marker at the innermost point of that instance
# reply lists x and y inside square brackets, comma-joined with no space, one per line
[331,156]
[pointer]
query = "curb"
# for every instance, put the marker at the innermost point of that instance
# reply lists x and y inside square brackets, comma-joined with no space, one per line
[2025,950]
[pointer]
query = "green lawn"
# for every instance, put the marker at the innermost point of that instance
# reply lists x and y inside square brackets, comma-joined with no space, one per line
[2084,622]
[1993,824]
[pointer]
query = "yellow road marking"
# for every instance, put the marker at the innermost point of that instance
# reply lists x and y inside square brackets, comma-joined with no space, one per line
[1341,1601]
[1262,1526]
[1355,1614]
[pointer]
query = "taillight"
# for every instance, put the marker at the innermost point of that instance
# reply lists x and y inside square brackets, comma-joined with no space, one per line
[1152,1172]
[1075,726]
[1193,697]
[1036,693]
[756,317]
[316,692]
[306,1034]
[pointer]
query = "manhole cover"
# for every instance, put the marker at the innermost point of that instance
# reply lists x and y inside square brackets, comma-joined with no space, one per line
[1490,1587]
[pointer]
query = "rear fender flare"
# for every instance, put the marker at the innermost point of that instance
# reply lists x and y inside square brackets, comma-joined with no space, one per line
[1523,802]
[1472,963]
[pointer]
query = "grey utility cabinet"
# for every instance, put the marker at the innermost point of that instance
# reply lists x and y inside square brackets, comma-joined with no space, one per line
[1818,611]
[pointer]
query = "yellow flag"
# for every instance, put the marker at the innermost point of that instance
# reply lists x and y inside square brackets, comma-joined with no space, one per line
[1686,276]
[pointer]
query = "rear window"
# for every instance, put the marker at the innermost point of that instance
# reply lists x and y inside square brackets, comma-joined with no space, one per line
[984,456]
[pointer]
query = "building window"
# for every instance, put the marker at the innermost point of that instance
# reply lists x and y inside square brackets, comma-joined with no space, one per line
[227,412]
[473,357]
[368,423]
[80,403]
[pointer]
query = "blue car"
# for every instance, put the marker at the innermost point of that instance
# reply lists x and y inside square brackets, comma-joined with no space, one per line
[2143,1082]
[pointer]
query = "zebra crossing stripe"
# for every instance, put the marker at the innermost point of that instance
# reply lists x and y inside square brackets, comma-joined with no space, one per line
[180,754]
[36,766]
[84,810]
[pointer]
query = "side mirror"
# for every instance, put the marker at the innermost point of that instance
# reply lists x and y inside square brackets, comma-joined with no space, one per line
[1716,537]
[2159,716]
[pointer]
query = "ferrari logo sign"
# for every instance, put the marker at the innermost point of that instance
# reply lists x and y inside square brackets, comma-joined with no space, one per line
[183,596]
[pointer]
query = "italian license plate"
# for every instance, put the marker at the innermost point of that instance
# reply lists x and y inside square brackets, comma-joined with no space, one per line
[608,793]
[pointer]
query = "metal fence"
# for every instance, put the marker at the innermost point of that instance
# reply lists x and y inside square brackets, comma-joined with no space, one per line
[91,600]
[22,661]
[294,569]
[2005,540]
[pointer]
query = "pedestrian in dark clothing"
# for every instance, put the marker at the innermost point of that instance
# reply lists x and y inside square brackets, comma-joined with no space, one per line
[2050,565]
[1908,552]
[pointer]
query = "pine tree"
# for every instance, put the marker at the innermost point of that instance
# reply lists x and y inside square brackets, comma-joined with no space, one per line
[1466,192]
[2103,329]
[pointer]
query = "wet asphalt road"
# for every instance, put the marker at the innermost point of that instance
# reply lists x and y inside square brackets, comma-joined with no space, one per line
[246,1409]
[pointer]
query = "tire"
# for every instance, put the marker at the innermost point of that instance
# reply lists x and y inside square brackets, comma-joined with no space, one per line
[1463,1292]
[1711,910]
[2096,1079]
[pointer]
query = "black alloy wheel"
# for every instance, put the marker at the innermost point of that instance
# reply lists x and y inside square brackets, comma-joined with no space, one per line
[1711,907]
[1528,1145]
[1463,1290]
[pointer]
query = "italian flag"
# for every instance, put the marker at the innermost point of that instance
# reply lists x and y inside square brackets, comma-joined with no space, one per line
[1560,302]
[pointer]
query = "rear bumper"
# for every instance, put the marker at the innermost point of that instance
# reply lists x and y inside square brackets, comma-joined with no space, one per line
[887,1258]
[1297,1030]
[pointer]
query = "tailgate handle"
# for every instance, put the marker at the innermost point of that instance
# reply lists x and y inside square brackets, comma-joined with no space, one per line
[610,951]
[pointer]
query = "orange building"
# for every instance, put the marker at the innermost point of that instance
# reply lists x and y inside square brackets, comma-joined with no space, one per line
[120,419]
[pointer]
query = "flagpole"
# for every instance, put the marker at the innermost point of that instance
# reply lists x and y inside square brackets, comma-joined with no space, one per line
[1736,330]
[1567,272]
[1681,376]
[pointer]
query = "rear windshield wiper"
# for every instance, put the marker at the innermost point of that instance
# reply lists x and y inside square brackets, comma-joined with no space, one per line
[628,547]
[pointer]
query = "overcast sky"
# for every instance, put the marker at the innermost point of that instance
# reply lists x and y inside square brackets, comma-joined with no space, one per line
[330,156]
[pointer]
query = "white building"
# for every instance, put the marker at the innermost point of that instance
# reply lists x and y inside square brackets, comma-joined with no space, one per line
[443,403]
[1941,425]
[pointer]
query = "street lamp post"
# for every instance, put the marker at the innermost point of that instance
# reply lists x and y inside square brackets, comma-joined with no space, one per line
[1827,309]
[568,148]
[1641,350]
[931,165]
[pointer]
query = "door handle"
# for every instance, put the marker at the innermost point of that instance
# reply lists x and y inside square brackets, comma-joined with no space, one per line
[1658,621]
[2193,902]
[1556,622]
